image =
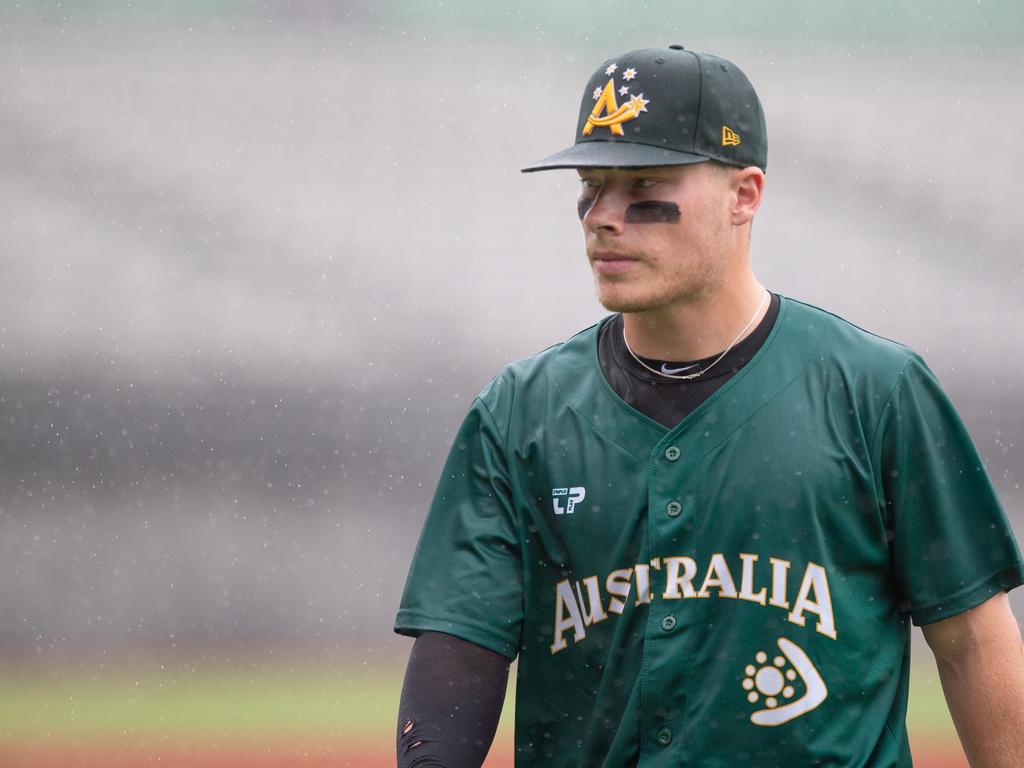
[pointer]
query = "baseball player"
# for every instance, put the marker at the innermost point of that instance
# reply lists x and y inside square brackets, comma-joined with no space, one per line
[706,524]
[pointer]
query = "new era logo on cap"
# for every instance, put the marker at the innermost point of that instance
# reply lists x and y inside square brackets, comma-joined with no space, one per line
[665,106]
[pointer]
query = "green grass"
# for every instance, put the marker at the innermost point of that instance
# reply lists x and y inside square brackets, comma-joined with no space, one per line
[203,704]
[927,717]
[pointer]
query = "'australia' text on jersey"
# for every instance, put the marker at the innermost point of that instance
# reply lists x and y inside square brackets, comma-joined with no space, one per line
[581,603]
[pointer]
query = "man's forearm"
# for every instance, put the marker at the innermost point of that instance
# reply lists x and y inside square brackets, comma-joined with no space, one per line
[981,666]
[451,702]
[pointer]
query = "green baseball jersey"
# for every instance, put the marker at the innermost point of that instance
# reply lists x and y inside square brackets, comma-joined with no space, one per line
[737,590]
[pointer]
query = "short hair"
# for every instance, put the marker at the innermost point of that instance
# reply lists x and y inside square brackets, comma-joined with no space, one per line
[722,168]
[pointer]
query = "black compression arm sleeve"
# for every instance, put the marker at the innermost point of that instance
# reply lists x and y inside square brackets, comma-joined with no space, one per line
[451,701]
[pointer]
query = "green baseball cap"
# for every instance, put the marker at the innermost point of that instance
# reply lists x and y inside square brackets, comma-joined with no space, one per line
[665,106]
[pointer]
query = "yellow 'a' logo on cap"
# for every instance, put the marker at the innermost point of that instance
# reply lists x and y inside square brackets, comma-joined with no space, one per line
[729,137]
[614,115]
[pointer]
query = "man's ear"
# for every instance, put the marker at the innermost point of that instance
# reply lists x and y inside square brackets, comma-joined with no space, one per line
[748,184]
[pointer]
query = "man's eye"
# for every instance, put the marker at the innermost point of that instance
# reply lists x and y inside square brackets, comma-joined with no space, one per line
[645,183]
[590,183]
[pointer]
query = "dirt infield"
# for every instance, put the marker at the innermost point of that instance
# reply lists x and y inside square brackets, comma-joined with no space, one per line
[267,757]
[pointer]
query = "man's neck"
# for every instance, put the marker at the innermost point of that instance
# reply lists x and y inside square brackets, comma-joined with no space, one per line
[700,327]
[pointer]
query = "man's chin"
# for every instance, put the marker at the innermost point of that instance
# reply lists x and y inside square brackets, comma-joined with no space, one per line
[615,302]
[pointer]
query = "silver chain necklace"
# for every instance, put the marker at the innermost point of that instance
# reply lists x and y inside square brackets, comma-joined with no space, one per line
[688,376]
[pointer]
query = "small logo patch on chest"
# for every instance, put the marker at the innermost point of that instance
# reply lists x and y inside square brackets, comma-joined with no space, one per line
[572,497]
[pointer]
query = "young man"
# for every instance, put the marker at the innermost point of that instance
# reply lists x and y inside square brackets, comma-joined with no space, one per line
[705,524]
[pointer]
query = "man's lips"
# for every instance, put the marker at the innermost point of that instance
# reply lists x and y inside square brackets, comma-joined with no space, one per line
[608,263]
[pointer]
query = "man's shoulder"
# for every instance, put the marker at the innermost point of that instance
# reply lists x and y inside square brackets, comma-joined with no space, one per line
[846,344]
[574,359]
[579,349]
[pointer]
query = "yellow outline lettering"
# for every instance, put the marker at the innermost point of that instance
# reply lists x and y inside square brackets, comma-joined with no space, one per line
[722,578]
[642,575]
[674,581]
[565,599]
[594,612]
[747,580]
[780,574]
[815,578]
[618,584]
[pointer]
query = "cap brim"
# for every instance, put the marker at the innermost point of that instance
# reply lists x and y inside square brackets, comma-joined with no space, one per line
[614,154]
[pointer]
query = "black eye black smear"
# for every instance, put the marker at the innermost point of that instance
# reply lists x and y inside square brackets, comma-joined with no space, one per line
[652,212]
[583,204]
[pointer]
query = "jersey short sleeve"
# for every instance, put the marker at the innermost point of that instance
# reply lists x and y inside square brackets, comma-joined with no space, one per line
[951,544]
[466,576]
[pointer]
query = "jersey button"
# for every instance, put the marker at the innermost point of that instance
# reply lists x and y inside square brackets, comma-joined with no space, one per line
[673,508]
[665,736]
[672,453]
[668,623]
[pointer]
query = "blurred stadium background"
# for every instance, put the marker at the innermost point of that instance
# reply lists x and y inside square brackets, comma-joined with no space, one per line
[257,257]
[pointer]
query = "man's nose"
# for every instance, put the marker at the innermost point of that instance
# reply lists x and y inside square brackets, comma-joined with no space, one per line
[603,209]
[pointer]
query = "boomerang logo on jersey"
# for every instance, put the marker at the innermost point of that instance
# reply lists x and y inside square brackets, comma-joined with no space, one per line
[774,685]
[608,113]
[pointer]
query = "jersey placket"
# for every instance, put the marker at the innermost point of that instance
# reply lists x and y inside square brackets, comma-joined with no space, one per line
[665,681]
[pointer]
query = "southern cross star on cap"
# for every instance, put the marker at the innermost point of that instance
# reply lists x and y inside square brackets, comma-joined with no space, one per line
[639,103]
[629,74]
[611,69]
[597,93]
[623,90]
